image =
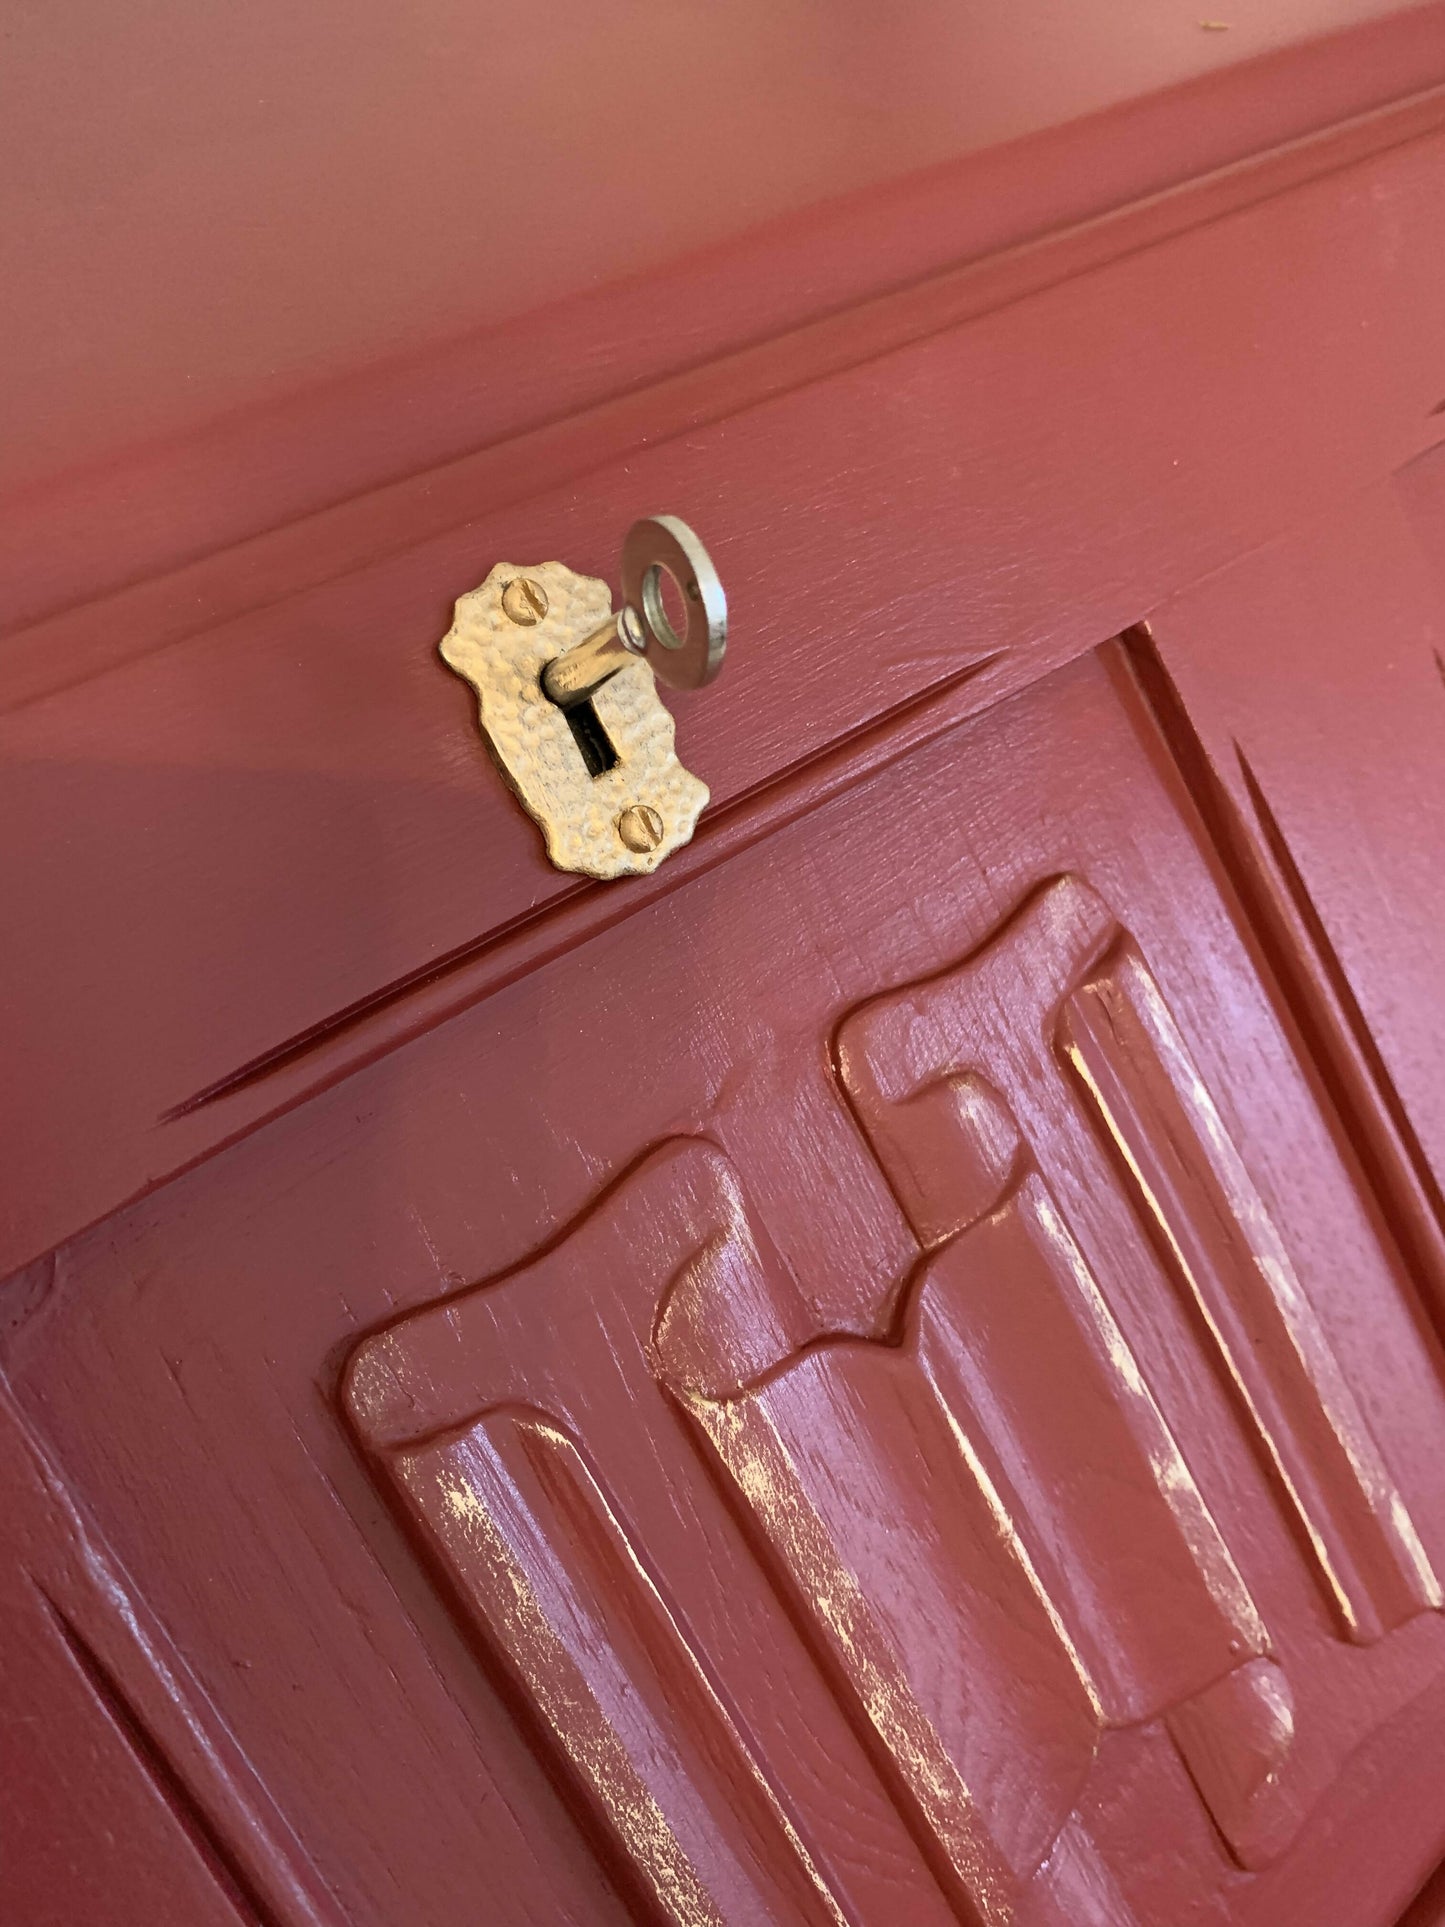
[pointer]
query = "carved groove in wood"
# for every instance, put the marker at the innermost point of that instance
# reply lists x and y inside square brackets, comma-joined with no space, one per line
[175,1788]
[526,1430]
[1064,992]
[641,1465]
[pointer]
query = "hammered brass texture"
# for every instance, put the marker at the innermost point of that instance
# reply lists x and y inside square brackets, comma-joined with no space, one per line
[578,813]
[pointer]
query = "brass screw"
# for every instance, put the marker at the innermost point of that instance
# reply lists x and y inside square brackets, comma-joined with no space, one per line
[524,600]
[640,827]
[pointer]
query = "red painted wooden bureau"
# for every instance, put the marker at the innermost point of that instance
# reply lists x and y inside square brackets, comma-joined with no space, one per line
[890,1370]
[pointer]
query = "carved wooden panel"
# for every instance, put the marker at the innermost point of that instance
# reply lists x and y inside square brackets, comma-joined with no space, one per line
[975,1527]
[173,1825]
[536,1429]
[1062,993]
[855,1367]
[1064,990]
[528,1429]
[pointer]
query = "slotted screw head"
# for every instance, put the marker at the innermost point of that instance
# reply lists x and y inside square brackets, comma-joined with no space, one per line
[525,601]
[640,827]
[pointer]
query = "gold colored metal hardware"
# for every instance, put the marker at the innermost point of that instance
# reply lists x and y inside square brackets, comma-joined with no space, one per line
[594,765]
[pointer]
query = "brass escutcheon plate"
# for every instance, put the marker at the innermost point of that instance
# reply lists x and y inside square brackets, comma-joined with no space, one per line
[581,815]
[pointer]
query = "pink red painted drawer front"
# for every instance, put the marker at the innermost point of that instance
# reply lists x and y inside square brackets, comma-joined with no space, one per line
[883,1388]
[890,1372]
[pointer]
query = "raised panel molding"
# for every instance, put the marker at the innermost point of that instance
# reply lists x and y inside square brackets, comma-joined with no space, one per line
[764,1589]
[553,1478]
[965,1510]
[540,1433]
[113,1753]
[1062,995]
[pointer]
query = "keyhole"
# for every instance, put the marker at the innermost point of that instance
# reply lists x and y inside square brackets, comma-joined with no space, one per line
[591,738]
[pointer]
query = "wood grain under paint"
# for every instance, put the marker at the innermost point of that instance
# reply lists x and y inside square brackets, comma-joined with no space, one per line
[254,853]
[482,1410]
[971,1563]
[1119,1041]
[1309,976]
[1114,1036]
[183,1355]
[169,1820]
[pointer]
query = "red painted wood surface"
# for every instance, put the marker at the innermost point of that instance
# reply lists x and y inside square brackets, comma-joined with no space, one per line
[212,1324]
[293,824]
[468,361]
[209,215]
[893,1370]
